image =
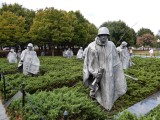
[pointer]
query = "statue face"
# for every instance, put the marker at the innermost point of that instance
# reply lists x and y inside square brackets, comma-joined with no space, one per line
[103,38]
[122,46]
[29,48]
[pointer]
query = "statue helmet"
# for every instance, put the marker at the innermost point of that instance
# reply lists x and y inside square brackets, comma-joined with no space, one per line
[30,45]
[124,43]
[12,50]
[103,30]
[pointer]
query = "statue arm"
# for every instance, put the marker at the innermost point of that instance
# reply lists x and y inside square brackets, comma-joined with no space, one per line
[92,65]
[22,58]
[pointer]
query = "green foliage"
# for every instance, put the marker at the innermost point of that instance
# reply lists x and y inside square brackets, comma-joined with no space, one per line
[84,32]
[61,28]
[19,10]
[11,29]
[51,105]
[119,32]
[126,116]
[48,26]
[146,37]
[143,31]
[59,87]
[153,115]
[55,72]
[147,72]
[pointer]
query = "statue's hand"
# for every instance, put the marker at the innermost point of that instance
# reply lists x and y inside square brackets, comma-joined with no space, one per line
[98,77]
[99,74]
[101,70]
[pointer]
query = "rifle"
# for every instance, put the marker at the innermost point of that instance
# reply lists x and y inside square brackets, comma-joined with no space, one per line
[97,80]
[131,77]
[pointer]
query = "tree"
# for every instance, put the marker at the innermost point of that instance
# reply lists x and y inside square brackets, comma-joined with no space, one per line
[12,29]
[158,35]
[61,28]
[91,34]
[26,14]
[84,32]
[146,39]
[19,11]
[51,26]
[47,27]
[119,32]
[143,31]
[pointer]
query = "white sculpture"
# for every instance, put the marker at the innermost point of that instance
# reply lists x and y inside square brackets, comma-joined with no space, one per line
[80,53]
[103,72]
[85,52]
[12,56]
[124,55]
[64,53]
[29,60]
[69,53]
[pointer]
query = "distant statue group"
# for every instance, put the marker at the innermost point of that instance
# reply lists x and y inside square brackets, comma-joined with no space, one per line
[68,53]
[103,69]
[80,54]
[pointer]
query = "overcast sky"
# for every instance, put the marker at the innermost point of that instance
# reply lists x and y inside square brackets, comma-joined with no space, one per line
[135,13]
